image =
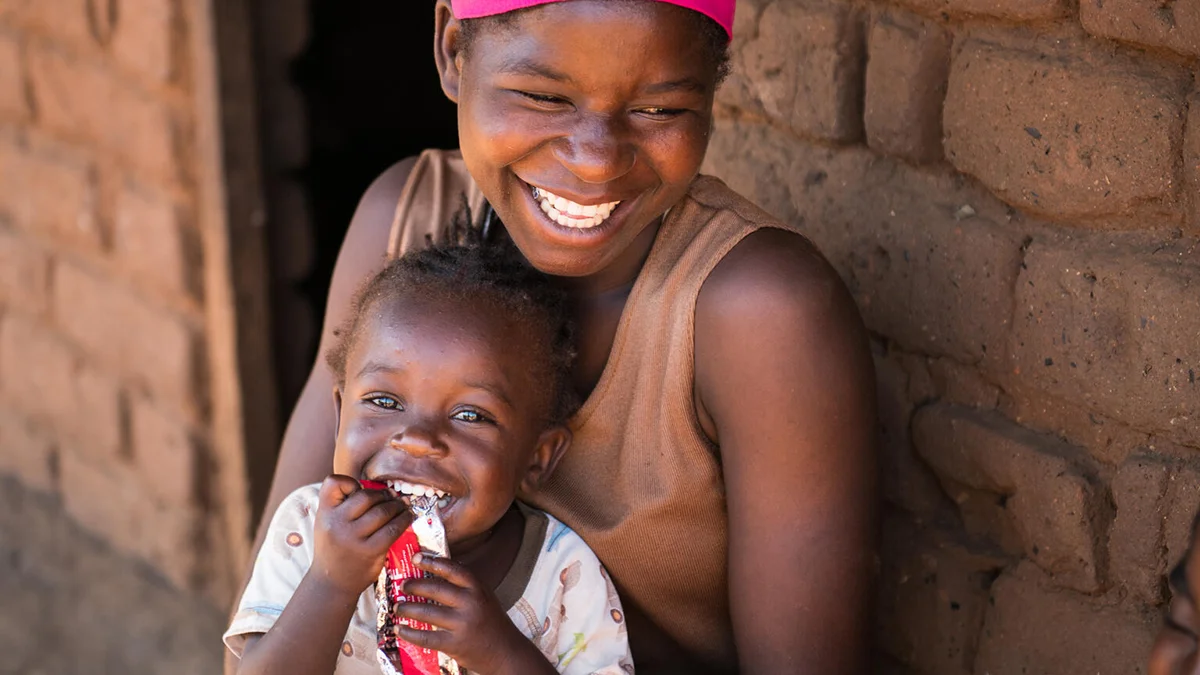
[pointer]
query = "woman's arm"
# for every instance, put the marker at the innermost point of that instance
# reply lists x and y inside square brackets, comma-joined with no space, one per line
[306,454]
[785,381]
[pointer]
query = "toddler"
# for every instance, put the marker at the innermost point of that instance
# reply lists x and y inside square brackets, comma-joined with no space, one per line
[452,381]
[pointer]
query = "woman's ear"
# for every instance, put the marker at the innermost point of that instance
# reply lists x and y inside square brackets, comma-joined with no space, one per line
[550,448]
[337,413]
[447,47]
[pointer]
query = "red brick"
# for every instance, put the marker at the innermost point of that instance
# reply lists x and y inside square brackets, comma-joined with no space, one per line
[933,596]
[1135,542]
[49,191]
[908,60]
[130,124]
[151,239]
[143,38]
[14,102]
[805,68]
[1012,10]
[109,321]
[164,453]
[1106,439]
[1027,122]
[26,453]
[112,502]
[907,481]
[1173,25]
[66,20]
[962,384]
[1051,499]
[1035,629]
[1114,332]
[24,270]
[929,279]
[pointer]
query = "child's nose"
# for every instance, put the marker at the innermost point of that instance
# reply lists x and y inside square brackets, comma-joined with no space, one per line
[419,441]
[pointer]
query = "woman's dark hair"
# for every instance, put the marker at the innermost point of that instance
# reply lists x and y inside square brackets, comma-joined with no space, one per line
[465,269]
[716,40]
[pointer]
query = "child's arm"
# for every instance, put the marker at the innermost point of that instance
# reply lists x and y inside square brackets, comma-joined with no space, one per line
[352,532]
[471,626]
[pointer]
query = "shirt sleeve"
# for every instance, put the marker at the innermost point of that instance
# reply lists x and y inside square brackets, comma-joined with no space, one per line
[284,559]
[592,638]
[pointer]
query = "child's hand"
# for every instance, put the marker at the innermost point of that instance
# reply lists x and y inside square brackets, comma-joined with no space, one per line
[471,626]
[354,528]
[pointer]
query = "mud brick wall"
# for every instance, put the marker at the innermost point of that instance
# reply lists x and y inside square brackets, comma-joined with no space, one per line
[104,388]
[1010,190]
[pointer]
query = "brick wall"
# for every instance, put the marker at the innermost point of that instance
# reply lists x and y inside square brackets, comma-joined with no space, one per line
[1011,190]
[104,361]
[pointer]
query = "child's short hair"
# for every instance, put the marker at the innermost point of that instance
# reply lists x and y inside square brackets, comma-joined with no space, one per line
[466,272]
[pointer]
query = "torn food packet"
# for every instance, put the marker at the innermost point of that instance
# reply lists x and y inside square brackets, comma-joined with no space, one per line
[425,535]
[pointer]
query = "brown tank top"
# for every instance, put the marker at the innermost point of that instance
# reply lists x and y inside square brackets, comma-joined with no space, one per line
[641,483]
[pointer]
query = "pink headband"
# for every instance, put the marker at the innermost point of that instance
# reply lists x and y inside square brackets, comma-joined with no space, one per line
[720,11]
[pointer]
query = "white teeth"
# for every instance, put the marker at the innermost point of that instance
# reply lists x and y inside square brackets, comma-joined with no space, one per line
[572,214]
[413,489]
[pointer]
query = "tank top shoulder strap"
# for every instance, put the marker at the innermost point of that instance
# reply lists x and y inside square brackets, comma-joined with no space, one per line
[435,191]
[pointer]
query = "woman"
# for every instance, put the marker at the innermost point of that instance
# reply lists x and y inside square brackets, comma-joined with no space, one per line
[722,464]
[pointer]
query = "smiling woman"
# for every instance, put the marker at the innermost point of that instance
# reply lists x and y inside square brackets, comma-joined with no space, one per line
[722,465]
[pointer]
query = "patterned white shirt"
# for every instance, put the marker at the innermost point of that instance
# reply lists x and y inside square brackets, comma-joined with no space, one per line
[557,594]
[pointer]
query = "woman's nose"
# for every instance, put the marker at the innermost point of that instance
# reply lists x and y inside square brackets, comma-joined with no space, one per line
[419,441]
[597,150]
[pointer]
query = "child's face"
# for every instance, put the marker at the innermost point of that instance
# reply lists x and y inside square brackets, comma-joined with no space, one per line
[441,394]
[592,101]
[1175,650]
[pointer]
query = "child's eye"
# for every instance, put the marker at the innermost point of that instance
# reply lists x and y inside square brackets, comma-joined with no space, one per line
[385,402]
[471,416]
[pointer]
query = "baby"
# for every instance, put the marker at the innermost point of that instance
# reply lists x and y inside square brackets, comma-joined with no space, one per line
[452,381]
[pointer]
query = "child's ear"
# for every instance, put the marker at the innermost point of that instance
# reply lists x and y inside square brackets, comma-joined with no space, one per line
[337,413]
[550,448]
[447,48]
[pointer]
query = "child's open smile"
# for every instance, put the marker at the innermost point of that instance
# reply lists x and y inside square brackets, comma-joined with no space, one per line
[441,400]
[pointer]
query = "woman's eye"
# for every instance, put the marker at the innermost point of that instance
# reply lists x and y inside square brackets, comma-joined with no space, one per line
[542,99]
[660,113]
[385,402]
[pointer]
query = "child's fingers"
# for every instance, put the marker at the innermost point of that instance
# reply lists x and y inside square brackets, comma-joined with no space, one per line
[384,523]
[437,640]
[438,590]
[446,569]
[335,489]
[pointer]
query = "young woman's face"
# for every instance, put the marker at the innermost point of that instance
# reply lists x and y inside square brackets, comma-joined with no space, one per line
[440,395]
[582,122]
[1175,650]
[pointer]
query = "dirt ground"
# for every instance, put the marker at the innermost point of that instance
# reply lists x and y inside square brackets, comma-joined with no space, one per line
[69,604]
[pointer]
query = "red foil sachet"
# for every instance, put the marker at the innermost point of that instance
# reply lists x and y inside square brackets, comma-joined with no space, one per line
[426,535]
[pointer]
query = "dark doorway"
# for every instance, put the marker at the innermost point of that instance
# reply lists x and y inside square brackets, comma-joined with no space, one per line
[346,89]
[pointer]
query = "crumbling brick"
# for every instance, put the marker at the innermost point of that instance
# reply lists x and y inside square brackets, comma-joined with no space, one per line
[806,68]
[908,62]
[14,102]
[164,452]
[1011,10]
[907,482]
[130,124]
[143,38]
[1191,160]
[1114,332]
[42,377]
[1054,504]
[1036,629]
[1136,539]
[27,453]
[67,21]
[50,192]
[24,269]
[112,323]
[151,240]
[1025,120]
[1152,23]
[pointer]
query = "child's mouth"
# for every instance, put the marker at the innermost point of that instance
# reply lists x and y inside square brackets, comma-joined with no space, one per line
[408,491]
